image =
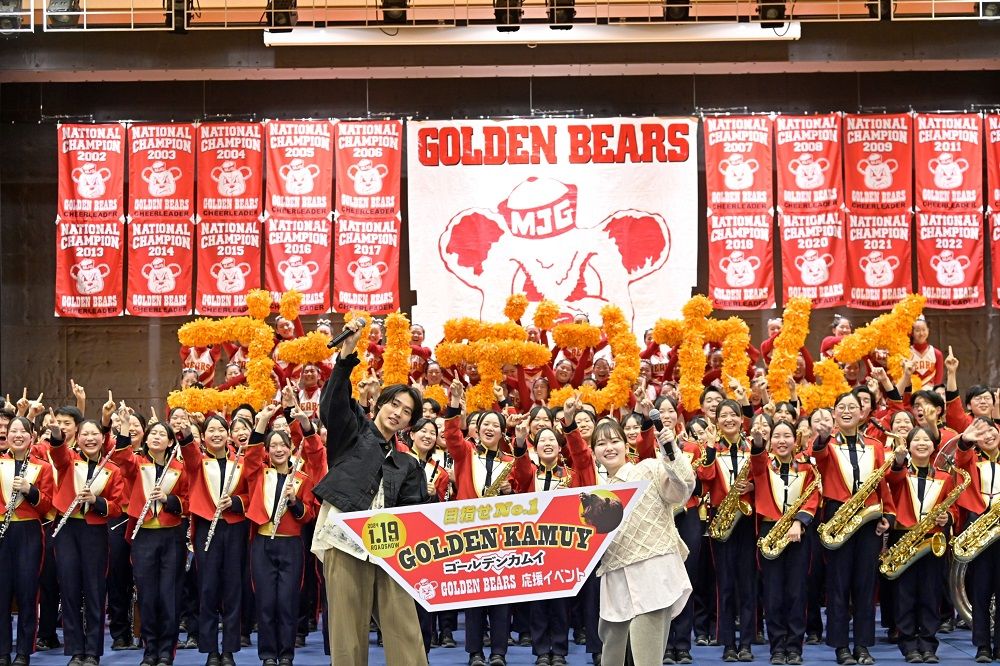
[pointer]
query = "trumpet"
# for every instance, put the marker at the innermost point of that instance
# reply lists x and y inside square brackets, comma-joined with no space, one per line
[227,487]
[76,500]
[156,486]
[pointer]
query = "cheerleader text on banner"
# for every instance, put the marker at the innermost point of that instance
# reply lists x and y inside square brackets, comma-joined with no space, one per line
[228,266]
[89,268]
[504,549]
[950,259]
[739,211]
[161,172]
[299,168]
[230,161]
[808,154]
[878,256]
[878,162]
[578,211]
[813,258]
[91,172]
[160,263]
[993,197]
[368,224]
[298,257]
[948,161]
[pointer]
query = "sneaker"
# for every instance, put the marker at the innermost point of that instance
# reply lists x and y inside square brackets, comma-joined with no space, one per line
[77,660]
[701,641]
[121,643]
[683,657]
[930,657]
[729,655]
[245,641]
[43,644]
[814,639]
[498,660]
[300,641]
[947,626]
[863,656]
[668,657]
[164,661]
[213,659]
[892,636]
[148,661]
[435,640]
[580,637]
[447,640]
[845,658]
[91,660]
[778,659]
[596,657]
[983,655]
[477,659]
[746,654]
[914,657]
[269,662]
[543,660]
[22,660]
[524,639]
[227,659]
[285,661]
[558,660]
[793,658]
[758,639]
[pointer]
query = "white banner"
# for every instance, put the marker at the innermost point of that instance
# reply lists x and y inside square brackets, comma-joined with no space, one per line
[578,211]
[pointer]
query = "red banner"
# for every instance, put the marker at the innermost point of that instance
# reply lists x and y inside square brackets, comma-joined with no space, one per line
[89,269]
[950,259]
[878,162]
[230,161]
[741,267]
[813,257]
[878,254]
[368,225]
[298,257]
[738,164]
[299,168]
[808,152]
[91,173]
[995,249]
[491,550]
[160,264]
[228,266]
[161,171]
[993,161]
[948,161]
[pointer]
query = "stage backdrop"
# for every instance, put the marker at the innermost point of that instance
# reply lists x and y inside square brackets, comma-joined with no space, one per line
[582,212]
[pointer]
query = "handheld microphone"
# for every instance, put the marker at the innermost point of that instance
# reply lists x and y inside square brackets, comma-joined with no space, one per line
[343,335]
[668,447]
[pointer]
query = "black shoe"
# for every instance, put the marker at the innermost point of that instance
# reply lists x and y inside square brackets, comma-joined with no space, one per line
[758,639]
[930,658]
[510,641]
[213,659]
[447,640]
[487,639]
[269,662]
[498,660]
[77,660]
[701,641]
[729,655]
[580,637]
[793,658]
[983,655]
[477,659]
[863,656]
[245,641]
[746,654]
[121,644]
[845,658]
[779,659]
[524,639]
[668,657]
[683,657]
[148,661]
[91,661]
[962,624]
[5,660]
[558,660]
[378,640]
[543,660]
[435,640]
[596,657]
[22,660]
[285,661]
[43,644]
[947,626]
[814,639]
[996,654]
[893,636]
[300,641]
[228,659]
[190,644]
[914,657]
[164,661]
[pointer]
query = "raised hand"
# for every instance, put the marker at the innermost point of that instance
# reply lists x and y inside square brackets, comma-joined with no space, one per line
[950,362]
[456,393]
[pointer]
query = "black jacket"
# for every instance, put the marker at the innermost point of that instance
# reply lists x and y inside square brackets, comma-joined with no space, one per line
[357,456]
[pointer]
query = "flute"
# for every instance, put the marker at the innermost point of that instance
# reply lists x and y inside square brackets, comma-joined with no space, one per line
[76,500]
[156,486]
[9,513]
[227,487]
[279,511]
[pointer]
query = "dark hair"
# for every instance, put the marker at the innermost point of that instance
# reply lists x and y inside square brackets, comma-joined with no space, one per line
[501,419]
[732,404]
[435,405]
[817,411]
[913,433]
[280,433]
[79,426]
[849,394]
[767,419]
[788,407]
[975,391]
[778,424]
[534,411]
[216,417]
[171,436]
[253,412]
[560,440]
[633,416]
[28,425]
[389,393]
[72,412]
[858,390]
[710,389]
[660,399]
[142,419]
[588,407]
[910,417]
[421,422]
[837,319]
[8,414]
[929,396]
[606,427]
[698,420]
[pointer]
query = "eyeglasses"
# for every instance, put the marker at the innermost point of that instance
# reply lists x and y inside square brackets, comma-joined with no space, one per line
[848,408]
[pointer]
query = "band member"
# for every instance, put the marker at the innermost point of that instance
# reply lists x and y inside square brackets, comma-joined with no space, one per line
[121,587]
[481,469]
[845,462]
[218,502]
[26,481]
[979,399]
[643,581]
[918,488]
[159,492]
[780,477]
[81,546]
[366,472]
[281,503]
[735,557]
[979,455]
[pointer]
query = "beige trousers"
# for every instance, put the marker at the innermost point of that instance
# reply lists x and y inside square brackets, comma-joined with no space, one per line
[646,632]
[356,590]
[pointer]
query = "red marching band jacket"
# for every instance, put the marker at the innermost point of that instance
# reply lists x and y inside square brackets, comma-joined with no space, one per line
[206,480]
[910,508]
[73,469]
[834,464]
[39,473]
[772,496]
[470,462]
[717,476]
[579,473]
[140,471]
[985,473]
[693,452]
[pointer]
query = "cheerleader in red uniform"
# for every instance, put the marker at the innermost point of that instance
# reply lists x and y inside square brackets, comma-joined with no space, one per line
[27,480]
[203,361]
[928,361]
[310,388]
[781,476]
[81,546]
[158,548]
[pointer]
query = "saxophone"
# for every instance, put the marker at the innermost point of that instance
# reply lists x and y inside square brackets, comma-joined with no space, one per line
[730,508]
[912,546]
[774,543]
[493,489]
[978,536]
[853,513]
